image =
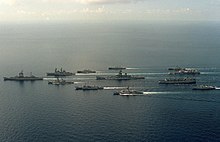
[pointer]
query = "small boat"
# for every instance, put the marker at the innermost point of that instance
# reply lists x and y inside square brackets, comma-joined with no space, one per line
[117,68]
[60,72]
[178,81]
[60,82]
[21,77]
[128,92]
[120,76]
[86,71]
[204,87]
[89,87]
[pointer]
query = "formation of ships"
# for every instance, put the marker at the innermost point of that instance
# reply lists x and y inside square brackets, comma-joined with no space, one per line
[58,74]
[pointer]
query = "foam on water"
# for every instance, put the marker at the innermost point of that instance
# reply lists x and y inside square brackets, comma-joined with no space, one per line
[114,88]
[207,73]
[84,78]
[78,82]
[154,93]
[133,68]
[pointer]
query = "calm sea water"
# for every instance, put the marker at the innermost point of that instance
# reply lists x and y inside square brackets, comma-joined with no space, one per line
[36,111]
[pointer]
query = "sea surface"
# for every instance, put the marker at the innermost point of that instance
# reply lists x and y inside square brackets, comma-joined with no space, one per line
[39,112]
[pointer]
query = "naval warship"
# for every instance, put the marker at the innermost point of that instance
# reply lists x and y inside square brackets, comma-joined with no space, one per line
[86,71]
[178,81]
[21,77]
[128,92]
[120,76]
[204,87]
[89,87]
[185,72]
[60,73]
[60,82]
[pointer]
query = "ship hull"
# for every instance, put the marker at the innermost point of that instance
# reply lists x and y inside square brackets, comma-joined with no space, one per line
[203,88]
[60,74]
[86,72]
[177,82]
[181,73]
[118,78]
[22,79]
[89,88]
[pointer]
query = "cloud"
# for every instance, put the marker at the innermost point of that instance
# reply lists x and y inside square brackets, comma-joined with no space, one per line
[93,1]
[169,11]
[99,10]
[8,2]
[107,1]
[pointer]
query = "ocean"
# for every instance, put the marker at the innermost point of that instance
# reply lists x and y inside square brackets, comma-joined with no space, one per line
[38,112]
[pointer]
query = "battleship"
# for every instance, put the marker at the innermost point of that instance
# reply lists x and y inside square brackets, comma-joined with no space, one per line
[178,81]
[86,71]
[116,68]
[21,77]
[204,87]
[128,92]
[185,72]
[60,73]
[89,87]
[120,76]
[60,82]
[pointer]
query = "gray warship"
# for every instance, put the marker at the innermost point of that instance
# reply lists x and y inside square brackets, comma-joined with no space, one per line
[60,72]
[178,81]
[89,87]
[120,76]
[185,72]
[86,71]
[21,77]
[60,82]
[204,87]
[128,92]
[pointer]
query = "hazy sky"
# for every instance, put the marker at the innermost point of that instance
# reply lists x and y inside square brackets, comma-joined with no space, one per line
[108,10]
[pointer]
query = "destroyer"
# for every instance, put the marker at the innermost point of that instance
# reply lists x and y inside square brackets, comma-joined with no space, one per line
[178,81]
[60,82]
[185,72]
[89,87]
[21,77]
[204,87]
[120,76]
[86,71]
[60,73]
[128,92]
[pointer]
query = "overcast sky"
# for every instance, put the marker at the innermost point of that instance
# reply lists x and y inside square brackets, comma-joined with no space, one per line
[108,10]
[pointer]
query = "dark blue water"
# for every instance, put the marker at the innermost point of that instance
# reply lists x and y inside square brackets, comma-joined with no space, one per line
[36,111]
